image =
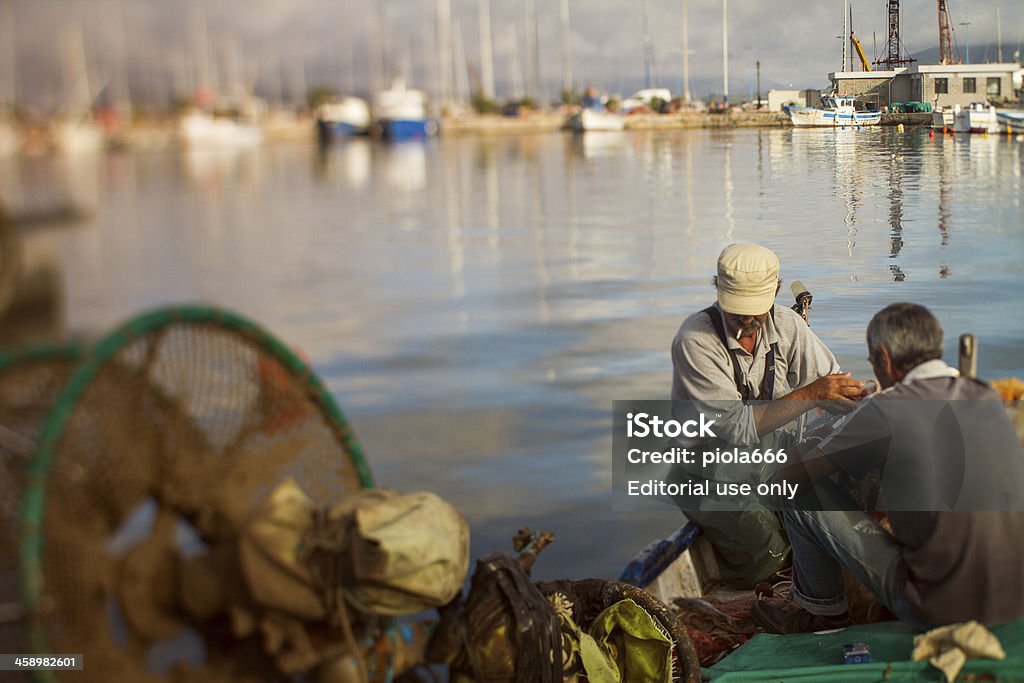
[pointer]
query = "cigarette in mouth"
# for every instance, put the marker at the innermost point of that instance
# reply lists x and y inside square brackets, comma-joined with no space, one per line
[739,333]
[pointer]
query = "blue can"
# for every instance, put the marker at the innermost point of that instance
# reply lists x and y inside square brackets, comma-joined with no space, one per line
[856,653]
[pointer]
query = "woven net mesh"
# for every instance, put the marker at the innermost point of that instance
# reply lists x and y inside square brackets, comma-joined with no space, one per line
[29,386]
[194,419]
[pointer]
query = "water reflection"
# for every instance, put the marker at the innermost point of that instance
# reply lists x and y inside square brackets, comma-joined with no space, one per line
[476,304]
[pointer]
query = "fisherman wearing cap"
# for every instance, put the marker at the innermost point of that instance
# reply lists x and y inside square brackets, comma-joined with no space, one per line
[764,360]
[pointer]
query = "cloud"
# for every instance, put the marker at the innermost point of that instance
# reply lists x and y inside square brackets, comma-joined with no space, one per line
[337,43]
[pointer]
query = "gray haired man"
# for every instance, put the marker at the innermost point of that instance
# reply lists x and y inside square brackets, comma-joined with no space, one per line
[952,487]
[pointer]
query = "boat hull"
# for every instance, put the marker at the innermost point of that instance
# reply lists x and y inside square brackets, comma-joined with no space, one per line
[975,119]
[812,117]
[350,116]
[398,130]
[1011,121]
[595,120]
[200,131]
[344,129]
[71,137]
[942,119]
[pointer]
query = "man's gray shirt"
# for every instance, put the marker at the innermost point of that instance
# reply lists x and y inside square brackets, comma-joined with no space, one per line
[703,370]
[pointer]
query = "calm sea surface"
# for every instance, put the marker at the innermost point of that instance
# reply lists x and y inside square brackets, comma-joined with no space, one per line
[476,304]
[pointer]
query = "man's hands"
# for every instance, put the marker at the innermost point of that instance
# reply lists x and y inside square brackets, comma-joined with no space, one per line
[836,393]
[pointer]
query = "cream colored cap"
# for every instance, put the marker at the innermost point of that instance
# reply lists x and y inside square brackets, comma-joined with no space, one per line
[748,277]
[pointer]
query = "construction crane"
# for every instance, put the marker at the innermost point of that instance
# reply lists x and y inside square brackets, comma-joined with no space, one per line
[947,54]
[892,59]
[865,66]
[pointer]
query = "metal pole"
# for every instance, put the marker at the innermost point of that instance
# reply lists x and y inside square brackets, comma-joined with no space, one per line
[758,64]
[968,362]
[999,37]
[846,32]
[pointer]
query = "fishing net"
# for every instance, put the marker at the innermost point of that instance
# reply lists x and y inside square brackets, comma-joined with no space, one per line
[165,440]
[30,381]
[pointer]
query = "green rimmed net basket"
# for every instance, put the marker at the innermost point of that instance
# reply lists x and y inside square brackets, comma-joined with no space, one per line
[163,442]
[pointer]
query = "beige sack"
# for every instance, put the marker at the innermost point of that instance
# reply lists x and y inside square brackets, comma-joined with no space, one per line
[388,553]
[407,552]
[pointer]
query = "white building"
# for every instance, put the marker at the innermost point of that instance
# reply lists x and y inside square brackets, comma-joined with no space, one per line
[941,85]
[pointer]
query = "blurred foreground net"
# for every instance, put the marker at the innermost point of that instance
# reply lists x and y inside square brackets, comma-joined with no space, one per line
[30,382]
[163,442]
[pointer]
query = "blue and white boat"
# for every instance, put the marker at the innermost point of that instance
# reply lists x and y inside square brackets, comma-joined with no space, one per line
[837,111]
[401,113]
[346,117]
[1011,120]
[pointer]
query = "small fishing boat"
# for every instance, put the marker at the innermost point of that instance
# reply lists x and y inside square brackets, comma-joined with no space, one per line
[346,117]
[1010,120]
[401,113]
[592,119]
[977,117]
[201,130]
[76,136]
[942,119]
[837,111]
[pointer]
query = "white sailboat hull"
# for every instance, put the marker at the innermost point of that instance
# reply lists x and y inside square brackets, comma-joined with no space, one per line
[77,137]
[593,119]
[202,131]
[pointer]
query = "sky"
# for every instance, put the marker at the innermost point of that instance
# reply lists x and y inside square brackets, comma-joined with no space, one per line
[150,48]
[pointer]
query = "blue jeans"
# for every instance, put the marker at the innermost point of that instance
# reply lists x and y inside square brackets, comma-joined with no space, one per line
[825,542]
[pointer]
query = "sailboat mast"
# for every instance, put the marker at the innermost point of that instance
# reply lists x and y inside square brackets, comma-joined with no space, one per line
[532,51]
[648,49]
[444,47]
[686,54]
[566,55]
[462,93]
[486,52]
[515,67]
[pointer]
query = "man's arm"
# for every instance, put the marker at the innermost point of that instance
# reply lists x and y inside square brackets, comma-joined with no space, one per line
[837,393]
[813,370]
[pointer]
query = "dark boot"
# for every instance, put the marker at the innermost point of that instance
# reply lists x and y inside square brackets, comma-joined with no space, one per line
[794,619]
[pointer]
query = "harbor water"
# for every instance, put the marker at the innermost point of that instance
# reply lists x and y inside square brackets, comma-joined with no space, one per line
[475,304]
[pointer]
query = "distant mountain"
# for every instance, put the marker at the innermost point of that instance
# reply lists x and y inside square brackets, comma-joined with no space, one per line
[980,54]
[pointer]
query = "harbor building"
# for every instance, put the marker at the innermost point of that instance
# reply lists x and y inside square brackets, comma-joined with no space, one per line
[941,85]
[777,99]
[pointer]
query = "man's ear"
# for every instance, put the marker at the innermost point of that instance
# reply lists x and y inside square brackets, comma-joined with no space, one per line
[778,286]
[885,358]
